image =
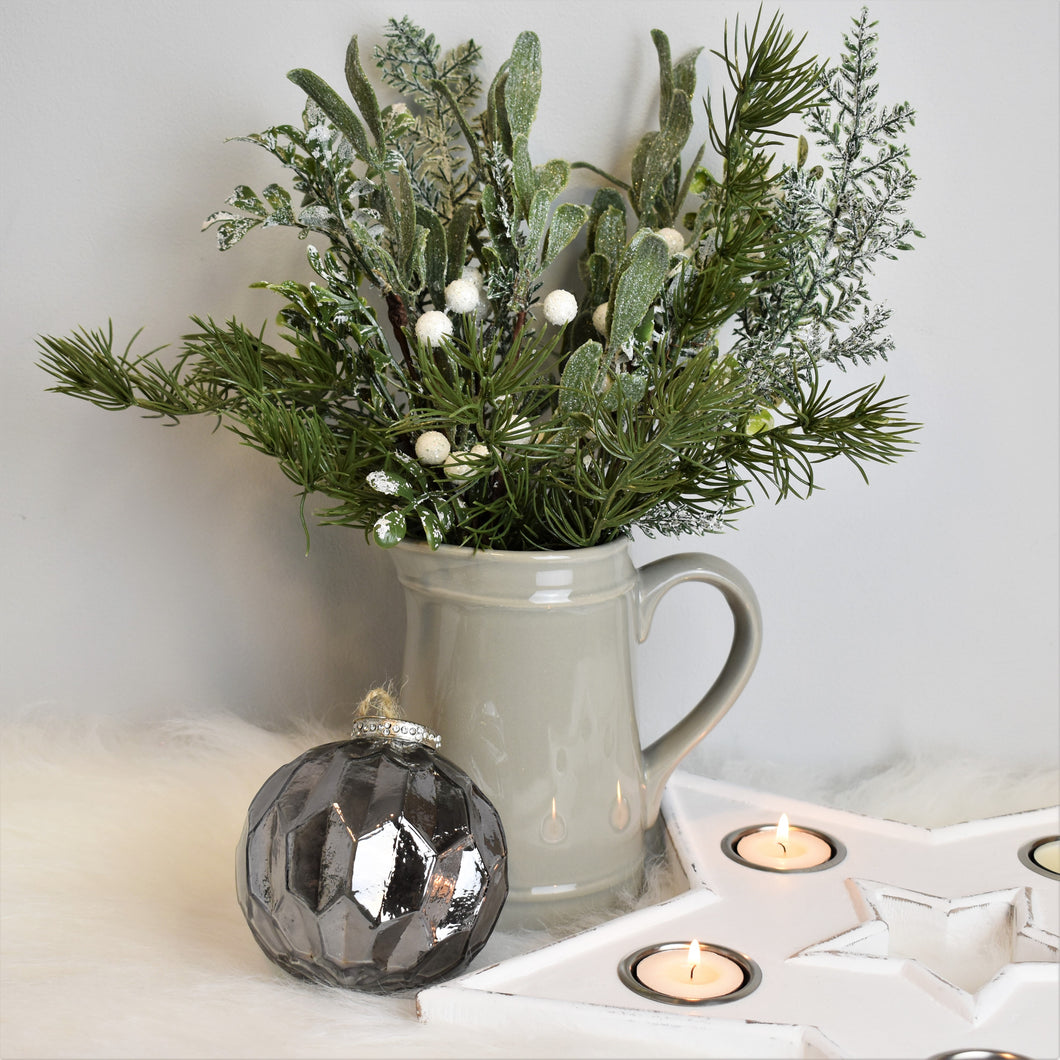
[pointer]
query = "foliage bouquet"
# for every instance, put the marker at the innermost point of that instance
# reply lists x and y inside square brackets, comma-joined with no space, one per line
[431,386]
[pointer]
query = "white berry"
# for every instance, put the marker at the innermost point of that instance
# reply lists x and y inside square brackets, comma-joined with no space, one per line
[432,327]
[462,296]
[432,447]
[675,242]
[561,307]
[465,462]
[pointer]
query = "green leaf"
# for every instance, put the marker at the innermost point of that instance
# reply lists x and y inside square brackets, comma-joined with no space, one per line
[496,111]
[702,180]
[436,258]
[389,529]
[583,377]
[598,271]
[230,230]
[376,260]
[537,219]
[522,174]
[280,201]
[640,277]
[663,152]
[567,222]
[609,238]
[685,73]
[390,485]
[432,529]
[490,214]
[604,198]
[340,113]
[363,93]
[456,240]
[637,169]
[405,222]
[415,273]
[245,198]
[553,176]
[628,388]
[522,88]
[666,74]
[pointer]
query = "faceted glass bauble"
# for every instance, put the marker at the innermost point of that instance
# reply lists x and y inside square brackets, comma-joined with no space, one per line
[371,864]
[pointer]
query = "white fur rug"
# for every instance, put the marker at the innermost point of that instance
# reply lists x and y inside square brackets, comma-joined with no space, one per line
[121,936]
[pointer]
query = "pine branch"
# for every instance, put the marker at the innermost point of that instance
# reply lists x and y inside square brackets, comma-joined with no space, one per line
[848,219]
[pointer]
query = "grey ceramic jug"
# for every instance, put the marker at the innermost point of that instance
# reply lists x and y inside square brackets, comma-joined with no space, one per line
[521,661]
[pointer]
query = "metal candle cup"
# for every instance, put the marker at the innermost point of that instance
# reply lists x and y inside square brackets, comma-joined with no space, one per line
[665,972]
[978,1054]
[1041,855]
[803,850]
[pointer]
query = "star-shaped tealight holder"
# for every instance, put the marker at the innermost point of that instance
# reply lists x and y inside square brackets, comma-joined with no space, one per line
[904,942]
[971,953]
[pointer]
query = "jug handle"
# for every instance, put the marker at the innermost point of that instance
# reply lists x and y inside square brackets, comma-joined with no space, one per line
[654,580]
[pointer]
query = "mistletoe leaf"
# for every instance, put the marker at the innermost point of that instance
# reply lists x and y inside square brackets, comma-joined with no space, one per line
[583,377]
[567,222]
[684,74]
[553,176]
[456,240]
[363,93]
[666,72]
[637,283]
[537,219]
[337,110]
[405,221]
[522,174]
[522,88]
[436,257]
[609,237]
[663,152]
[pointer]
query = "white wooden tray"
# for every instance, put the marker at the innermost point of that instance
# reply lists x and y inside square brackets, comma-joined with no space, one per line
[920,941]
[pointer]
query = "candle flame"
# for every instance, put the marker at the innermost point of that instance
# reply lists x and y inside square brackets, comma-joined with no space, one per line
[553,807]
[693,954]
[618,791]
[782,832]
[782,829]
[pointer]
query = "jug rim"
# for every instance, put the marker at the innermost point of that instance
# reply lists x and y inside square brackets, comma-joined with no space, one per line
[528,556]
[512,579]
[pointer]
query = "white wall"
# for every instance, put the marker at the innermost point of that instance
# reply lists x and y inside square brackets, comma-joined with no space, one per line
[150,570]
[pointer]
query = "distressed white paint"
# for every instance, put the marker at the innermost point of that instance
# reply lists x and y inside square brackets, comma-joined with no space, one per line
[836,970]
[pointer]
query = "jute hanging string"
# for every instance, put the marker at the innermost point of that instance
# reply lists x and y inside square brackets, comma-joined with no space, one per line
[379,703]
[379,716]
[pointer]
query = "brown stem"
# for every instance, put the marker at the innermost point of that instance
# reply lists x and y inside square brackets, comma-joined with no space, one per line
[520,321]
[399,320]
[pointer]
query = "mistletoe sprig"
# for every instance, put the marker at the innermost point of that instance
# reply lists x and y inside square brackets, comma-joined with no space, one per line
[428,387]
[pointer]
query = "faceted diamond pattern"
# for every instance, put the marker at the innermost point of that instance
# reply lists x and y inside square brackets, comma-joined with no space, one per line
[373,865]
[390,870]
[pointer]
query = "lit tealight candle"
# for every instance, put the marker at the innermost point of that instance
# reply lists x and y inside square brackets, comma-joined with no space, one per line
[1047,855]
[691,974]
[786,849]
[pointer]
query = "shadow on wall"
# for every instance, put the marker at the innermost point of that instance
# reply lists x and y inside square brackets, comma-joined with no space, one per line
[364,614]
[217,604]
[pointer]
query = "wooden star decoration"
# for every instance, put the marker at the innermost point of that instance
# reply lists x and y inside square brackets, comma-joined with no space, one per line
[970,952]
[919,941]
